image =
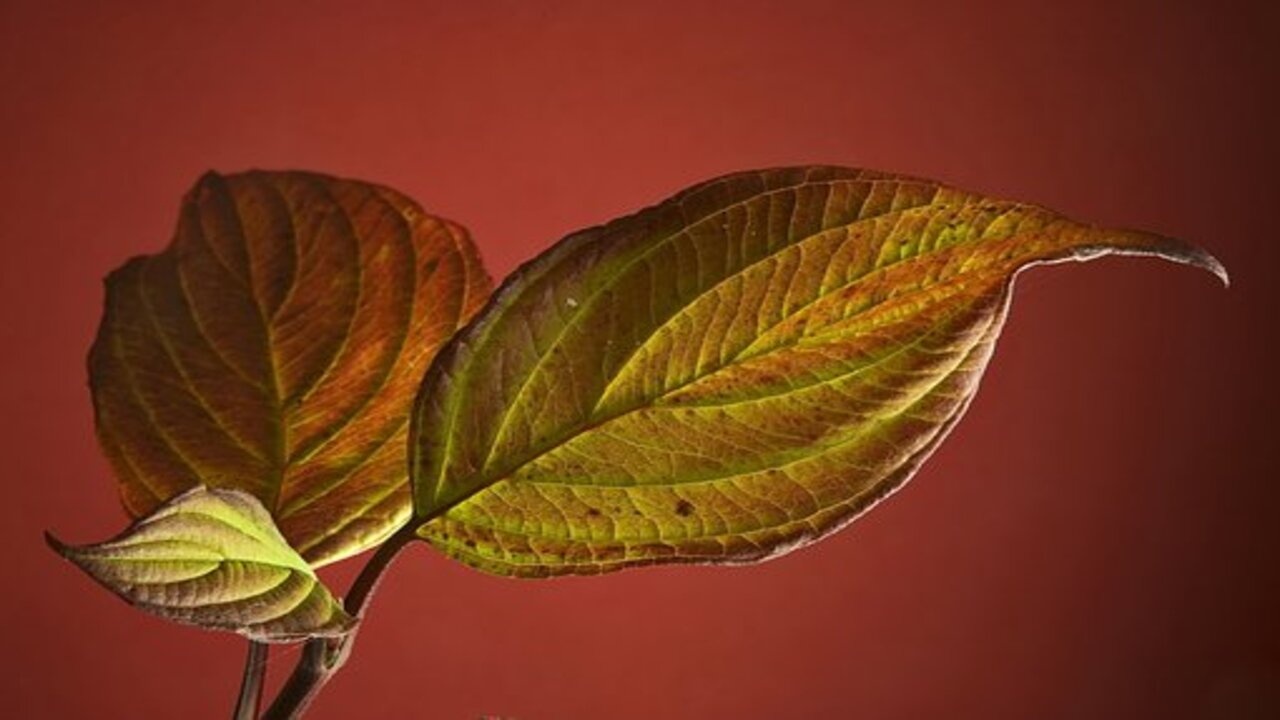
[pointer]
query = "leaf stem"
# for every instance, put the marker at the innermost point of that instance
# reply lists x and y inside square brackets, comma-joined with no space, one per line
[255,670]
[322,657]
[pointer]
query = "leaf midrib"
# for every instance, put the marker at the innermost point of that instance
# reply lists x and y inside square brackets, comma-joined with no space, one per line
[643,255]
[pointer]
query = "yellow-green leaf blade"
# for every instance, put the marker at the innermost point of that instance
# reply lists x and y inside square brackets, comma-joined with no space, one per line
[275,347]
[214,558]
[733,372]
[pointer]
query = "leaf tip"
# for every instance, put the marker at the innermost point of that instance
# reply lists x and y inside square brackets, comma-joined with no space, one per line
[1196,256]
[55,544]
[1216,267]
[1137,242]
[208,177]
[66,551]
[1203,259]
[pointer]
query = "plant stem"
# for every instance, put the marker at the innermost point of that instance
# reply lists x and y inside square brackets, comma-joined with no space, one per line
[322,657]
[255,670]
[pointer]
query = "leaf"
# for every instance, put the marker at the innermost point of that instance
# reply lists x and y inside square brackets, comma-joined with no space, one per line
[275,346]
[213,558]
[728,375]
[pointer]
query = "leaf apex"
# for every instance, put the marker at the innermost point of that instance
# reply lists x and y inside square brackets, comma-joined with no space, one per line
[1215,266]
[1197,256]
[209,176]
[56,545]
[1137,242]
[1191,254]
[71,553]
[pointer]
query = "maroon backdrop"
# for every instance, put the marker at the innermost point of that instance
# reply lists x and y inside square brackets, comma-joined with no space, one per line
[1098,539]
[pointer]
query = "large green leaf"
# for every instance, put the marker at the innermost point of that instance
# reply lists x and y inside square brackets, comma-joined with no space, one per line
[275,347]
[728,375]
[213,558]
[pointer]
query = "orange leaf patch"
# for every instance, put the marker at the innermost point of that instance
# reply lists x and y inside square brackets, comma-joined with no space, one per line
[275,346]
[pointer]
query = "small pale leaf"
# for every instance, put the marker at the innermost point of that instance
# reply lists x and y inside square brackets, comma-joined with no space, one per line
[275,346]
[728,375]
[213,558]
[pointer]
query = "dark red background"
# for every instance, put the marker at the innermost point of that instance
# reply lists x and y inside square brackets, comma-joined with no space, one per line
[1098,539]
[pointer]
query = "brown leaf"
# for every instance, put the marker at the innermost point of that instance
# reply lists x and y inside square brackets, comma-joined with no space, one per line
[274,347]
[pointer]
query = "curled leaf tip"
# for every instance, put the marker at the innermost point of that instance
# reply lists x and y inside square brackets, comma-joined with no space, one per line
[1202,258]
[1144,244]
[1189,253]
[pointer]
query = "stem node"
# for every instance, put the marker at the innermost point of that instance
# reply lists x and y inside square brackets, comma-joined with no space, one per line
[322,657]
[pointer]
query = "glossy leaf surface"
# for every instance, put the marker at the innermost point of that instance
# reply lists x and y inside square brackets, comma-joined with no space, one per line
[213,558]
[275,347]
[727,375]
